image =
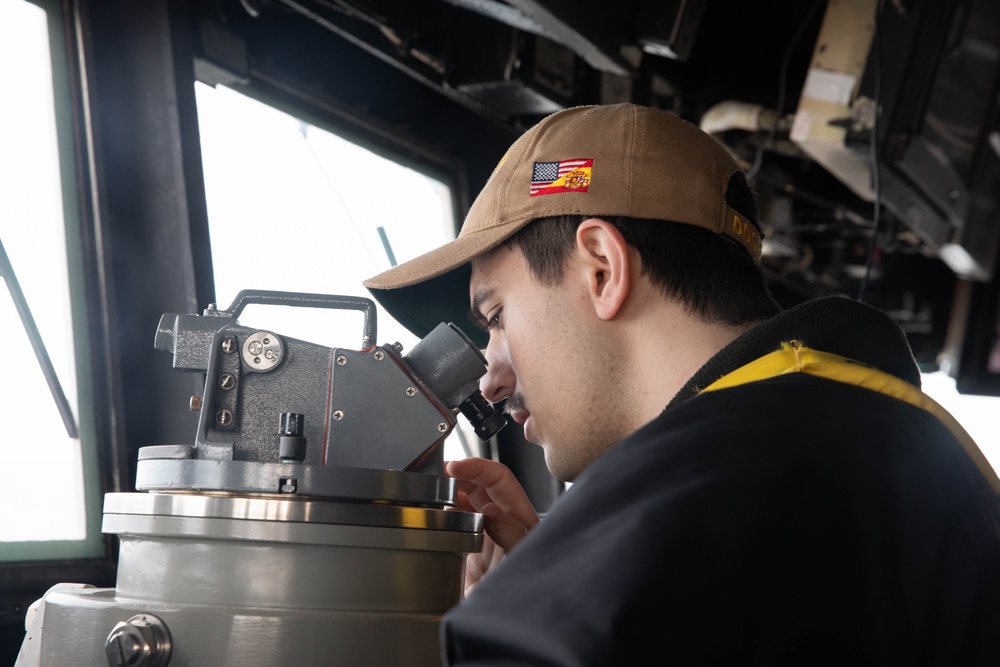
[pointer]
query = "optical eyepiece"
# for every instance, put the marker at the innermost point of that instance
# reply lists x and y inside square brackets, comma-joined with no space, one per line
[483,417]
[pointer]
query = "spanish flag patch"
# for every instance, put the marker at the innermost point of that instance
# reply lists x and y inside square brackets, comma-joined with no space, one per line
[565,176]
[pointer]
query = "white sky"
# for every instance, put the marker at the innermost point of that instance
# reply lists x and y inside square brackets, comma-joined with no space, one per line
[294,207]
[977,414]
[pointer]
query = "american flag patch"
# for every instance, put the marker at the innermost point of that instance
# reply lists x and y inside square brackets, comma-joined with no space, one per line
[565,176]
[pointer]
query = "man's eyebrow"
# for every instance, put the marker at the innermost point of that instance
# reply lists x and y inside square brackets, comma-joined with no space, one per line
[475,313]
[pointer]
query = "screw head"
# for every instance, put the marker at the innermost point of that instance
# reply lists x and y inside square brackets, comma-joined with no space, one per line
[410,391]
[442,427]
[224,418]
[124,646]
[141,641]
[338,415]
[378,355]
[227,381]
[341,360]
[229,345]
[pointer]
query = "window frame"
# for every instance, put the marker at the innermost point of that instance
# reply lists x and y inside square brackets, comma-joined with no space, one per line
[94,545]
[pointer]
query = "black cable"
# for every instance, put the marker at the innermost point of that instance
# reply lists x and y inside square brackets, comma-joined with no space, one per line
[349,10]
[37,344]
[873,156]
[782,81]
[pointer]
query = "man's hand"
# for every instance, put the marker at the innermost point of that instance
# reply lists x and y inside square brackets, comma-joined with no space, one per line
[491,489]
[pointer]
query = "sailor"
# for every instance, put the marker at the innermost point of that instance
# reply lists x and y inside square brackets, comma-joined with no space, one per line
[749,485]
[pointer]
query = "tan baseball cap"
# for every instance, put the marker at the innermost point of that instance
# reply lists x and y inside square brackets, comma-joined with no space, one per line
[615,160]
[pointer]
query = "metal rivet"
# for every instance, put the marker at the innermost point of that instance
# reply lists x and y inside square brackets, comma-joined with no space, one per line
[341,360]
[379,355]
[338,415]
[228,346]
[442,427]
[227,381]
[224,418]
[410,391]
[195,403]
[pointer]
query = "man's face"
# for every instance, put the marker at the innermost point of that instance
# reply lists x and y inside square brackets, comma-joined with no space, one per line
[547,356]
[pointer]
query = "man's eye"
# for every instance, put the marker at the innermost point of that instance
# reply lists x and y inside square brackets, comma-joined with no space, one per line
[494,320]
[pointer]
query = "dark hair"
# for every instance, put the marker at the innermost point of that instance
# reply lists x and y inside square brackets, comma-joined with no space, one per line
[714,276]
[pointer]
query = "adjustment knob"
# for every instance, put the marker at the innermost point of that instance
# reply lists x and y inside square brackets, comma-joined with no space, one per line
[291,444]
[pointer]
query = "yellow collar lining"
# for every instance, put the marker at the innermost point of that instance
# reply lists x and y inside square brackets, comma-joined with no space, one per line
[793,357]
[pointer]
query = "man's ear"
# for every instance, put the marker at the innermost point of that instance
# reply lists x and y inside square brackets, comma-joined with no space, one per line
[605,263]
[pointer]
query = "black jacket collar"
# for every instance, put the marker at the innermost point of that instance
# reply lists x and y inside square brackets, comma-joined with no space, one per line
[833,324]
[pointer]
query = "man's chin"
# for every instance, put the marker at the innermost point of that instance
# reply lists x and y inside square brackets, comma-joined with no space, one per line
[559,469]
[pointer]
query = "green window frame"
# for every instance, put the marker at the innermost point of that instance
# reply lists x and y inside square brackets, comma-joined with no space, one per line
[38,489]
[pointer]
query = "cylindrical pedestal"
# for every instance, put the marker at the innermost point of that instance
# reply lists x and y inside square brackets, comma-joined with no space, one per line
[269,581]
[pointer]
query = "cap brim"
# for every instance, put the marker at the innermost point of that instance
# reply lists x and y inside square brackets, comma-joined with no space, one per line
[423,306]
[434,287]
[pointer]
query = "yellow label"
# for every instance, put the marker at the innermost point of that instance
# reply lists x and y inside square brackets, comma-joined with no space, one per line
[746,231]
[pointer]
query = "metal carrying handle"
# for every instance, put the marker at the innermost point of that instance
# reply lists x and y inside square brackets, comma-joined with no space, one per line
[306,300]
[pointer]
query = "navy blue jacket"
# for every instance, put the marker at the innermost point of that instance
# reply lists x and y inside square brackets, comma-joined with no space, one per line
[790,521]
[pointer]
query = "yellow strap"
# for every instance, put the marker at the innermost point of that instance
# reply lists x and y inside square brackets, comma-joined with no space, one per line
[793,357]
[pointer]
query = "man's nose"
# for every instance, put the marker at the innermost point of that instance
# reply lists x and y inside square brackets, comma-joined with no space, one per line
[498,383]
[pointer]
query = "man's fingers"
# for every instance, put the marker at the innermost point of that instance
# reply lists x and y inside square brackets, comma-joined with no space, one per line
[490,488]
[474,496]
[488,481]
[505,530]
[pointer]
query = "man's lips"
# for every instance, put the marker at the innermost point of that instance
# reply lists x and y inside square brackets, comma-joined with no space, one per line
[514,406]
[519,415]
